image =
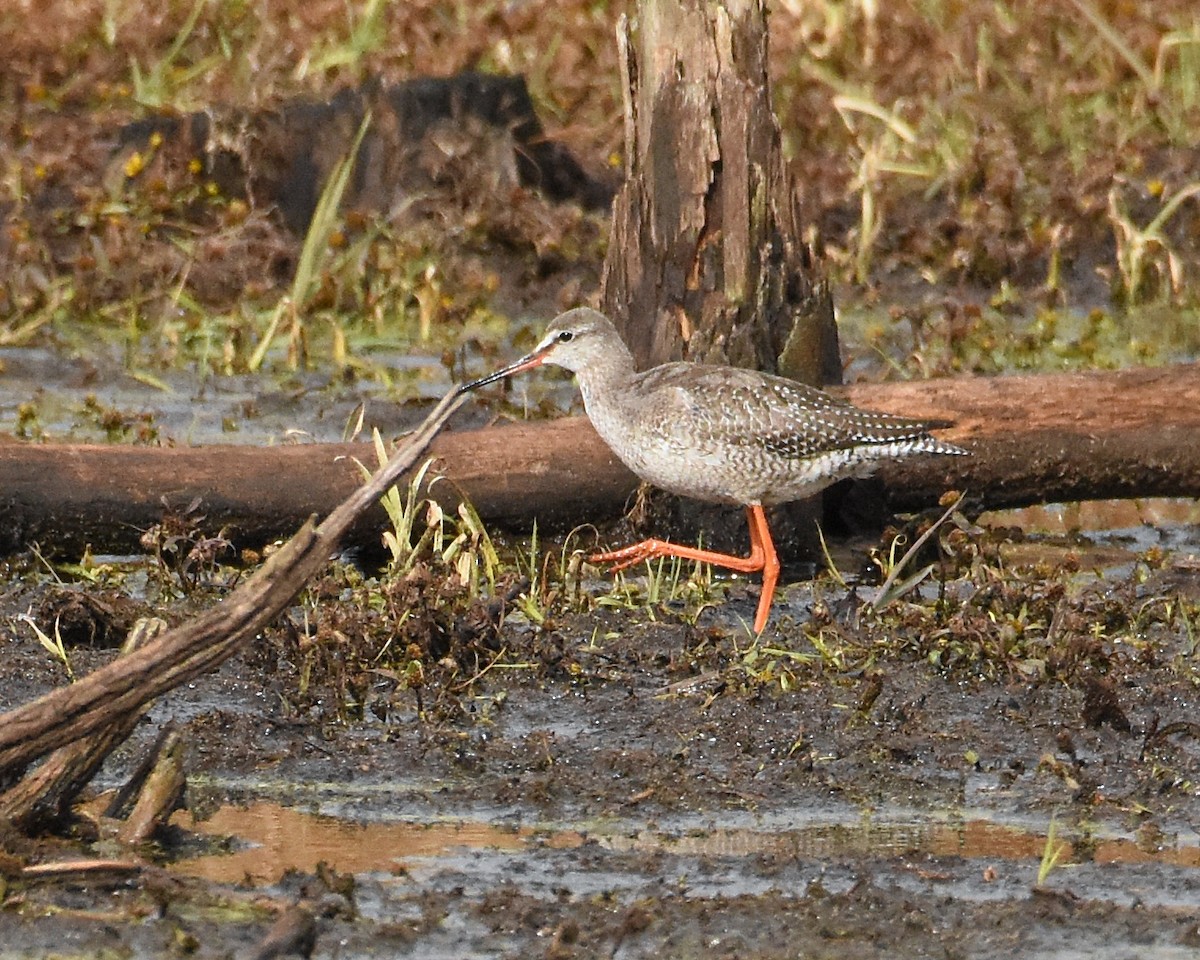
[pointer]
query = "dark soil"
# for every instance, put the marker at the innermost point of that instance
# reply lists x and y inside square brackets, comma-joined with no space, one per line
[677,787]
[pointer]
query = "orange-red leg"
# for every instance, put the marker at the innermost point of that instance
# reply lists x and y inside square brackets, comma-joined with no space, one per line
[762,557]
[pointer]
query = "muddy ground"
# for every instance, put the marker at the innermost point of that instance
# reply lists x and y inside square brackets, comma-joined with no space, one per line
[647,780]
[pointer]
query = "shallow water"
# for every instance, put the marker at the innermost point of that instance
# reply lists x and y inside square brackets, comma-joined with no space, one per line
[182,407]
[980,855]
[1140,524]
[1106,537]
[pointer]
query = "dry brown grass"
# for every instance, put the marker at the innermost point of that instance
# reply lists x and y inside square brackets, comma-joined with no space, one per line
[957,159]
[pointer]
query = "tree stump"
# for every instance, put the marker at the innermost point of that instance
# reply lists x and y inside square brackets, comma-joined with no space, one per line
[706,259]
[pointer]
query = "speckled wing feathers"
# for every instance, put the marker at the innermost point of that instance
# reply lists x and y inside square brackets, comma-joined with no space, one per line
[725,406]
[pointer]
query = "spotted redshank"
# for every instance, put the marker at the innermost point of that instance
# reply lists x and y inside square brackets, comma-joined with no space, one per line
[719,434]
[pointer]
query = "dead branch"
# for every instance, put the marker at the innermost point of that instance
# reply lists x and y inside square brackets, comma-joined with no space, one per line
[161,790]
[46,795]
[193,648]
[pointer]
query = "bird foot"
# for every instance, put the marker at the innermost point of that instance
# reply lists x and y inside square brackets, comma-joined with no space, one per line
[652,549]
[635,553]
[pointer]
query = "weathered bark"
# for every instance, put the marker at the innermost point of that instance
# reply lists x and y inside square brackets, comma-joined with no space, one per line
[45,796]
[160,791]
[89,871]
[1035,438]
[1054,437]
[199,645]
[706,259]
[107,496]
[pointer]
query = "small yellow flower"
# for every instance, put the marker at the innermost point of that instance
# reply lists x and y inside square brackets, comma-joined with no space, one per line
[134,165]
[1156,187]
[195,165]
[237,211]
[156,139]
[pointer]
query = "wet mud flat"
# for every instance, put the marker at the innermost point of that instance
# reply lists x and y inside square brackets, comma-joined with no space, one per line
[616,785]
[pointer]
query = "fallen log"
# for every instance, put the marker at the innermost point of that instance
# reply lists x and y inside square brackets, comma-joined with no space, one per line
[1036,439]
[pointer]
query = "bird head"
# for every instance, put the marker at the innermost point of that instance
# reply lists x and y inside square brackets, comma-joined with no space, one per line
[571,341]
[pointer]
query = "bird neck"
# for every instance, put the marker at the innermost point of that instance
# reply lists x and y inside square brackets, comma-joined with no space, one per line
[606,375]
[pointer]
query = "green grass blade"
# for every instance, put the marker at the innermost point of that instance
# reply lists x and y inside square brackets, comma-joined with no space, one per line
[316,244]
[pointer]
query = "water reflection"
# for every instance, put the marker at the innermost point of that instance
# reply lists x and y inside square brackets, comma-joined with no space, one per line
[273,839]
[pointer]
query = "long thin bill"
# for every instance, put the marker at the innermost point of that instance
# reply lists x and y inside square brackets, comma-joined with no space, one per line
[527,362]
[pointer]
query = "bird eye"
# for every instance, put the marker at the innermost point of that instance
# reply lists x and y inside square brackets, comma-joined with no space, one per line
[566,336]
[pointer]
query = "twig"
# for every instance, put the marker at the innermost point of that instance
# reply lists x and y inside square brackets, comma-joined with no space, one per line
[195,647]
[884,594]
